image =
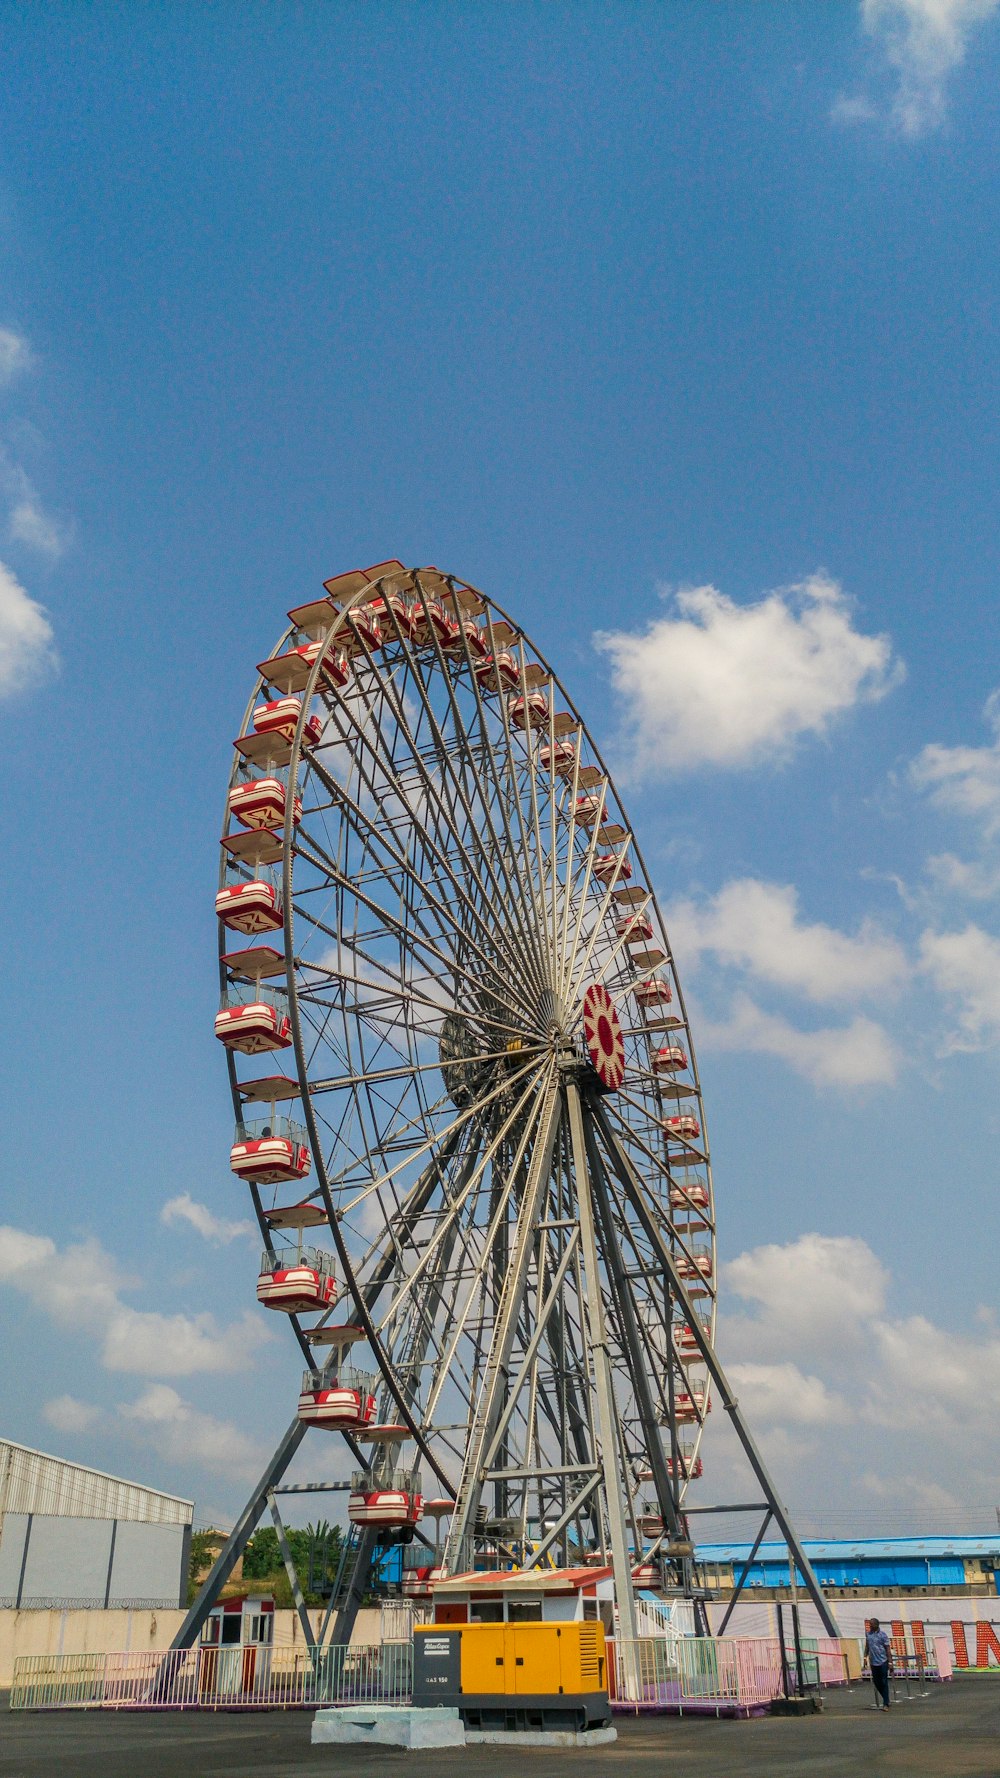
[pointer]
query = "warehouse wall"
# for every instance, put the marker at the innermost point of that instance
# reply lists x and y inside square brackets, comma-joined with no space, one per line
[49,1559]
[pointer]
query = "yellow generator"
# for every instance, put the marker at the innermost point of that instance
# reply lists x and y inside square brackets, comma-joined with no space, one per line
[514,1676]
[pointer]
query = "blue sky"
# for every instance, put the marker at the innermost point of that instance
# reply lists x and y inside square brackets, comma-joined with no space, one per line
[671,326]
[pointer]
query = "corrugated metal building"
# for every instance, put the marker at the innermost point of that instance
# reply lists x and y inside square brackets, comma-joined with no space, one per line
[75,1537]
[32,1482]
[897,1564]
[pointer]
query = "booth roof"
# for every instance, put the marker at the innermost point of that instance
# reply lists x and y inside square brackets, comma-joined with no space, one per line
[522,1580]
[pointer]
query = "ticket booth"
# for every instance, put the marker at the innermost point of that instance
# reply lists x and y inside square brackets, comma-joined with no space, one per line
[519,1596]
[236,1644]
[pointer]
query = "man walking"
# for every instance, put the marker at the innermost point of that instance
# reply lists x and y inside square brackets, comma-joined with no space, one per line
[878,1654]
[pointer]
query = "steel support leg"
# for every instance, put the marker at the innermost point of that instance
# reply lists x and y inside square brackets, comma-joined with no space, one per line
[239,1536]
[292,1572]
[601,1362]
[637,1197]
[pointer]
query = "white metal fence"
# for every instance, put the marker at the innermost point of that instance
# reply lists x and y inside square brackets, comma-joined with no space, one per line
[717,1675]
[242,1676]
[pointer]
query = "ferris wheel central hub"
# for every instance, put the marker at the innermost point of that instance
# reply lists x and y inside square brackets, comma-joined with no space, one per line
[603,1036]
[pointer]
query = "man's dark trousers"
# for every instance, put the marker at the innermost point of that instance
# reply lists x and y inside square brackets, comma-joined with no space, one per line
[880,1680]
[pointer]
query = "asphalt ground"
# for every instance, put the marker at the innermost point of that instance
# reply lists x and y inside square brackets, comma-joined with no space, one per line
[952,1732]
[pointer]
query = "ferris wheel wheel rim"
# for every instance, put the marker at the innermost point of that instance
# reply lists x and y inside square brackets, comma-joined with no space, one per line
[329,639]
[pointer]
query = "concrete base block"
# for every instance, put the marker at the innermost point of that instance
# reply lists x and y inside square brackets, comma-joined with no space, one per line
[382,1726]
[541,1737]
[808,1706]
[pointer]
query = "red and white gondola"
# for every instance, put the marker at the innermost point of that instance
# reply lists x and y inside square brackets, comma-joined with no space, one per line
[260,803]
[690,1408]
[612,867]
[270,1151]
[296,1280]
[669,1059]
[392,1499]
[342,1398]
[682,1124]
[529,712]
[560,759]
[689,1197]
[497,672]
[280,717]
[634,928]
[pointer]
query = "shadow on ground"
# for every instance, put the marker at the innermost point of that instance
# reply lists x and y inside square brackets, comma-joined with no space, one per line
[953,1732]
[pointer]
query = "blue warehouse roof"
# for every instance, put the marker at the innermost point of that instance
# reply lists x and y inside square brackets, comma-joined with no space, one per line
[872,1549]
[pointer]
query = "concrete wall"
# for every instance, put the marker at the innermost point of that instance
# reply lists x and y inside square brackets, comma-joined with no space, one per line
[109,1632]
[963,1620]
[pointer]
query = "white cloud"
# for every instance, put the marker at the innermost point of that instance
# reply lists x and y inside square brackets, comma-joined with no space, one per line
[782,1394]
[30,524]
[180,1433]
[965,780]
[860,1054]
[925,1495]
[211,1227]
[719,684]
[965,968]
[811,1290]
[853,108]
[818,1347]
[959,876]
[15,355]
[79,1287]
[927,1377]
[26,639]
[68,1415]
[923,41]
[756,926]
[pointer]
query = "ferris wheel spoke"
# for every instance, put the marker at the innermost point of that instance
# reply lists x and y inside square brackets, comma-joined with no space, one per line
[617,949]
[512,853]
[508,795]
[537,1136]
[434,793]
[402,991]
[569,956]
[460,1122]
[351,1080]
[630,1135]
[504,888]
[417,937]
[414,939]
[454,1209]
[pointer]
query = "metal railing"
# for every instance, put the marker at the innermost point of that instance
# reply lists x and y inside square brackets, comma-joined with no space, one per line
[346,1378]
[258,1129]
[399,1481]
[287,1259]
[238,1676]
[254,993]
[720,1676]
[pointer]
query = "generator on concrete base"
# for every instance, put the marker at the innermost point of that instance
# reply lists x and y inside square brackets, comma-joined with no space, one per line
[522,1677]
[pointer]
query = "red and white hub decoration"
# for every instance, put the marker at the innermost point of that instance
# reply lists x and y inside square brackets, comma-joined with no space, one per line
[603,1036]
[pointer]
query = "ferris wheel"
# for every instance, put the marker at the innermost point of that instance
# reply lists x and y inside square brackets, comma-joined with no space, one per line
[468,1113]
